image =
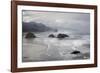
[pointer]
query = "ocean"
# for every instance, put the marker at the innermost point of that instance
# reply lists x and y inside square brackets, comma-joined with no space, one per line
[44,48]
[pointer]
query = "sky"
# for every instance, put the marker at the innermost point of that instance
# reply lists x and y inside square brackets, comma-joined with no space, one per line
[61,20]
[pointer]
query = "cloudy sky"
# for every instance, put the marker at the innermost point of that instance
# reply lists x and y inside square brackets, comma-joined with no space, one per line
[69,20]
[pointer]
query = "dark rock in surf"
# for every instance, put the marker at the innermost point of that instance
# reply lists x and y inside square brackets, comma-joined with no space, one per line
[30,35]
[62,35]
[76,52]
[51,35]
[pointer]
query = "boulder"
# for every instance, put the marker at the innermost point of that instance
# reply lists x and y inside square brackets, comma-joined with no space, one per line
[62,35]
[75,52]
[30,35]
[51,35]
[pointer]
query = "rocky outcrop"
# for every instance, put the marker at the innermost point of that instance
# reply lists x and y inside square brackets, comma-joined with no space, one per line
[62,35]
[51,35]
[30,35]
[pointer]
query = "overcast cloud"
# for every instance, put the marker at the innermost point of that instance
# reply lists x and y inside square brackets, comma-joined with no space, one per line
[76,21]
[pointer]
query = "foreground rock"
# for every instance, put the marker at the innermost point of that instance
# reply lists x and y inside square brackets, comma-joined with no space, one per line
[51,35]
[76,52]
[62,35]
[30,35]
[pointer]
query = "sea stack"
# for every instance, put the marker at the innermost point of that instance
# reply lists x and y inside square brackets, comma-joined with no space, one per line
[30,35]
[62,35]
[51,35]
